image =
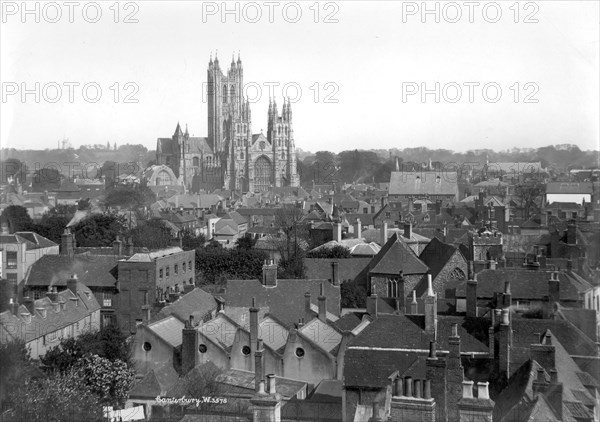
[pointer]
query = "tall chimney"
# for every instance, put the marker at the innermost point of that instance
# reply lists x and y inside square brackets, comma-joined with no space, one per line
[28,302]
[189,346]
[52,294]
[470,271]
[253,326]
[307,310]
[554,289]
[384,233]
[572,234]
[414,306]
[259,368]
[72,283]
[322,305]
[335,276]
[117,247]
[408,230]
[504,343]
[67,246]
[130,246]
[269,273]
[372,305]
[337,232]
[471,295]
[430,309]
[358,228]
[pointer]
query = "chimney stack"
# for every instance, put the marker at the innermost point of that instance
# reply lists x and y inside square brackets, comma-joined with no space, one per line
[430,309]
[189,346]
[358,231]
[307,310]
[259,367]
[117,247]
[372,305]
[408,230]
[414,306]
[554,289]
[470,271]
[130,246]
[271,384]
[269,273]
[471,294]
[504,342]
[478,408]
[335,277]
[67,244]
[572,234]
[52,294]
[384,233]
[253,326]
[72,283]
[337,232]
[322,305]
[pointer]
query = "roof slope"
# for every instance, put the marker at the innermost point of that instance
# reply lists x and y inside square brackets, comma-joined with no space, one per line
[396,256]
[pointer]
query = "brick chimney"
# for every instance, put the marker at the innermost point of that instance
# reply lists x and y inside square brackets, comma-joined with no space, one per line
[470,271]
[454,377]
[544,353]
[335,275]
[72,283]
[430,309]
[28,302]
[553,390]
[376,411]
[504,343]
[384,233]
[414,306]
[52,294]
[471,294]
[372,305]
[436,370]
[408,230]
[130,246]
[554,243]
[322,305]
[269,273]
[118,247]
[358,231]
[554,289]
[337,232]
[189,347]
[67,243]
[253,326]
[259,367]
[478,408]
[266,406]
[307,310]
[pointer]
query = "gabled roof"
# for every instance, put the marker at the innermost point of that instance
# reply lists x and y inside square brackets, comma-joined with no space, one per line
[156,382]
[569,188]
[169,329]
[285,300]
[323,334]
[196,303]
[92,270]
[396,256]
[37,240]
[436,255]
[420,183]
[221,330]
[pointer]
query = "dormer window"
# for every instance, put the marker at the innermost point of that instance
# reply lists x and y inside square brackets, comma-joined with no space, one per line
[26,317]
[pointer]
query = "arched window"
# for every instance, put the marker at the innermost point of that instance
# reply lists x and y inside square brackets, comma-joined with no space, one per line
[457,274]
[279,130]
[282,154]
[224,93]
[195,161]
[232,93]
[163,178]
[392,287]
[242,155]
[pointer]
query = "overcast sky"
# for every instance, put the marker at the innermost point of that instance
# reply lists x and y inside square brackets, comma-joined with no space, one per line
[361,77]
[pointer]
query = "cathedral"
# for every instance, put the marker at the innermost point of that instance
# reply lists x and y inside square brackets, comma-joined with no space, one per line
[231,157]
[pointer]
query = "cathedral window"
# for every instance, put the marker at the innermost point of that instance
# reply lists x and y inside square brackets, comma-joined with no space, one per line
[195,161]
[224,93]
[279,130]
[242,155]
[457,274]
[163,178]
[283,155]
[232,93]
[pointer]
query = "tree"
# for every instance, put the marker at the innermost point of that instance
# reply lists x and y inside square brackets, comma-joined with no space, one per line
[99,230]
[290,221]
[337,251]
[292,267]
[245,242]
[215,264]
[60,397]
[130,197]
[46,179]
[12,168]
[190,240]
[16,366]
[353,295]
[17,218]
[109,380]
[153,234]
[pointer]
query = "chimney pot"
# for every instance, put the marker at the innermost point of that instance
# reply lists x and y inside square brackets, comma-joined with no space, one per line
[467,389]
[408,384]
[427,390]
[505,317]
[398,386]
[432,351]
[271,381]
[540,375]
[418,392]
[482,390]
[553,376]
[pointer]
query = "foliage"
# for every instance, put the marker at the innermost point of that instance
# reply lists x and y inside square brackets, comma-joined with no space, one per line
[353,295]
[190,241]
[130,197]
[60,397]
[52,227]
[245,242]
[109,380]
[46,179]
[153,234]
[108,342]
[290,221]
[99,230]
[15,365]
[292,267]
[214,264]
[17,218]
[83,204]
[14,168]
[204,382]
[337,251]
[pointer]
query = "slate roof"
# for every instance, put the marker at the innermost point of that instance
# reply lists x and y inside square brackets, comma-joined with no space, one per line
[36,240]
[325,335]
[169,329]
[569,188]
[151,256]
[349,269]
[436,254]
[221,330]
[288,388]
[15,326]
[286,300]
[155,383]
[524,284]
[420,183]
[196,303]
[347,322]
[92,271]
[395,256]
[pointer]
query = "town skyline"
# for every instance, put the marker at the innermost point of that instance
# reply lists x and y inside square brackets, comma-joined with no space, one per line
[368,73]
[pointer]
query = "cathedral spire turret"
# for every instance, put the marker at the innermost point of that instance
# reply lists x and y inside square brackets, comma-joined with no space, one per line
[178,131]
[239,61]
[187,134]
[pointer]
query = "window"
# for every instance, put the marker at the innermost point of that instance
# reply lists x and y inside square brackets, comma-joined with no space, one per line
[183,265]
[457,274]
[246,350]
[195,161]
[11,259]
[176,269]
[147,346]
[163,178]
[160,273]
[392,287]
[202,348]
[53,336]
[167,272]
[106,299]
[190,265]
[37,294]
[299,352]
